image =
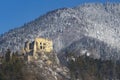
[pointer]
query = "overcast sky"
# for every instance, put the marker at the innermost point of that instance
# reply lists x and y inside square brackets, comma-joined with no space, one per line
[14,13]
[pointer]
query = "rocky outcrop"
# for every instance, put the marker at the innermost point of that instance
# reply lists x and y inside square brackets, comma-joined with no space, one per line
[47,67]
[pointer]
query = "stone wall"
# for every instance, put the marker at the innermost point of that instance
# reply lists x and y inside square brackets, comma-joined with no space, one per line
[39,45]
[43,45]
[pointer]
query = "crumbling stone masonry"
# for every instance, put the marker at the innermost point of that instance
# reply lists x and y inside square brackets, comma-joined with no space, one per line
[40,45]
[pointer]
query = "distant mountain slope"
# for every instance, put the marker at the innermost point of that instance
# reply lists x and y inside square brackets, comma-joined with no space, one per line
[64,26]
[91,47]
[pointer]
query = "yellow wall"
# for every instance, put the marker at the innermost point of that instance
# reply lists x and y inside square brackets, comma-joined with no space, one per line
[27,45]
[40,45]
[43,45]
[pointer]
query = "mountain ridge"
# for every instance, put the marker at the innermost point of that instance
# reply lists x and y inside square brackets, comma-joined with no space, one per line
[66,25]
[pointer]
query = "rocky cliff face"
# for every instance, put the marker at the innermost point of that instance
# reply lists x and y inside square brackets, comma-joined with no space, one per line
[68,25]
[47,67]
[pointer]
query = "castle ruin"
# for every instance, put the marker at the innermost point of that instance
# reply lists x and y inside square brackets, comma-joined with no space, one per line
[39,46]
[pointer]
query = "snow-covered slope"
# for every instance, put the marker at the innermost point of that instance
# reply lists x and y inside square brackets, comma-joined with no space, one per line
[67,25]
[91,47]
